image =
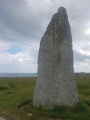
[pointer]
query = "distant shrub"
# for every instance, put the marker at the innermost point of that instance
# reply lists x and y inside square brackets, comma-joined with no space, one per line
[3,88]
[87,102]
[11,85]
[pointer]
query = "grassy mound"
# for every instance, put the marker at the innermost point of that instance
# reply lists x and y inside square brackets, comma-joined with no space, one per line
[16,101]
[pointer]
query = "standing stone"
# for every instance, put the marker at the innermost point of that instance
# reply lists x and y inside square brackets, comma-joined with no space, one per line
[56,84]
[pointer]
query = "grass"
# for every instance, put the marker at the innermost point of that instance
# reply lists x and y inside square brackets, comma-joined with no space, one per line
[15,92]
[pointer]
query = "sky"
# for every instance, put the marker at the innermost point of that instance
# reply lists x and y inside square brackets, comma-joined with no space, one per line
[23,23]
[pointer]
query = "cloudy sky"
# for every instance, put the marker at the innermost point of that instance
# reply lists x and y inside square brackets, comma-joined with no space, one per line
[23,23]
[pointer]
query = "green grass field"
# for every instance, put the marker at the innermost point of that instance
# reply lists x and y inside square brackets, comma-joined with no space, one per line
[15,92]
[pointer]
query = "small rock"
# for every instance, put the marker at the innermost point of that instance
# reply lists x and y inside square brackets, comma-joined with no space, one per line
[30,114]
[2,118]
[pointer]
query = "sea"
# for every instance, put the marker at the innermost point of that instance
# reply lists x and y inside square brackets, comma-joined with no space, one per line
[18,74]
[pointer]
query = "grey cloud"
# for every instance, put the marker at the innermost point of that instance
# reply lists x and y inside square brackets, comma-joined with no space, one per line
[20,18]
[23,23]
[79,17]
[27,21]
[79,57]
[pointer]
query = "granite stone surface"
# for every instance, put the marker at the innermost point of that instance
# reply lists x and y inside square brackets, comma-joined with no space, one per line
[55,83]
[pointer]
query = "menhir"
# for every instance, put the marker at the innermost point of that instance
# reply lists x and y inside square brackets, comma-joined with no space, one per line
[55,83]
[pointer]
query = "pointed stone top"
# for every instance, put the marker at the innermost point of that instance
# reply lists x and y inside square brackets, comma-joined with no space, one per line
[61,9]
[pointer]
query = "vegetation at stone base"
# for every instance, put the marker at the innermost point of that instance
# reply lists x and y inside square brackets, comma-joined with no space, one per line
[15,92]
